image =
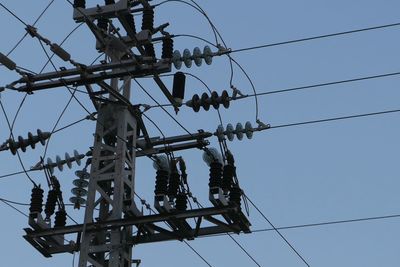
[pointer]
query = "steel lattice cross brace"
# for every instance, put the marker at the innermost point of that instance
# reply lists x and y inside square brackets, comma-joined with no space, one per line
[111,188]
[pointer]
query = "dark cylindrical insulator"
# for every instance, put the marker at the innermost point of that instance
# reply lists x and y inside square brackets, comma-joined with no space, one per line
[149,50]
[110,2]
[235,196]
[131,21]
[60,219]
[178,89]
[215,174]
[227,177]
[181,202]
[80,3]
[167,48]
[50,203]
[102,23]
[36,200]
[148,19]
[173,186]
[161,183]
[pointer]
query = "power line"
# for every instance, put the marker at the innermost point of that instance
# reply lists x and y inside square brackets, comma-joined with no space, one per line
[277,231]
[317,37]
[329,223]
[384,75]
[14,208]
[335,119]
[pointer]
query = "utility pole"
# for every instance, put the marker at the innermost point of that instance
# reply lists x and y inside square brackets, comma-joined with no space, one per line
[105,238]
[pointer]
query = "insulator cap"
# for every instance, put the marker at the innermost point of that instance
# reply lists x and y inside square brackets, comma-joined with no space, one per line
[167,48]
[177,59]
[178,89]
[197,57]
[149,50]
[80,3]
[36,200]
[102,23]
[235,196]
[187,58]
[161,182]
[148,19]
[215,174]
[60,219]
[50,203]
[31,141]
[173,185]
[227,177]
[181,202]
[131,21]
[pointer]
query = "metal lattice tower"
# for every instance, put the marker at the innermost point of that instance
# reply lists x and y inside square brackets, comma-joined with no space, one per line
[111,187]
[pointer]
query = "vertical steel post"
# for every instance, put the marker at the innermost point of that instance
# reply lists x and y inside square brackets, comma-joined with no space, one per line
[111,185]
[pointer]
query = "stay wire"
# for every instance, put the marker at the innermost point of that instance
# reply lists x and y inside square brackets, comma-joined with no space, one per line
[317,37]
[13,14]
[34,23]
[277,231]
[65,108]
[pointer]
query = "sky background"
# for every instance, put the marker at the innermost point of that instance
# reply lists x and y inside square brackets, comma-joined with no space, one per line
[295,175]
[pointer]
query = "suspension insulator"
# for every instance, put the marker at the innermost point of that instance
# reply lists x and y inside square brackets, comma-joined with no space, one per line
[177,59]
[36,200]
[50,203]
[215,174]
[178,89]
[149,50]
[173,185]
[227,177]
[224,99]
[235,196]
[131,22]
[102,23]
[67,161]
[110,2]
[161,182]
[205,101]
[196,103]
[181,202]
[187,58]
[167,48]
[79,3]
[60,219]
[197,56]
[31,141]
[148,20]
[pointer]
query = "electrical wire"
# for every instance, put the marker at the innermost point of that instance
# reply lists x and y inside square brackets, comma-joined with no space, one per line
[317,37]
[378,76]
[14,208]
[313,86]
[34,23]
[13,14]
[13,139]
[277,231]
[336,119]
[14,173]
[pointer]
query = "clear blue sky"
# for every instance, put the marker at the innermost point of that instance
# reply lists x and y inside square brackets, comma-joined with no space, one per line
[297,175]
